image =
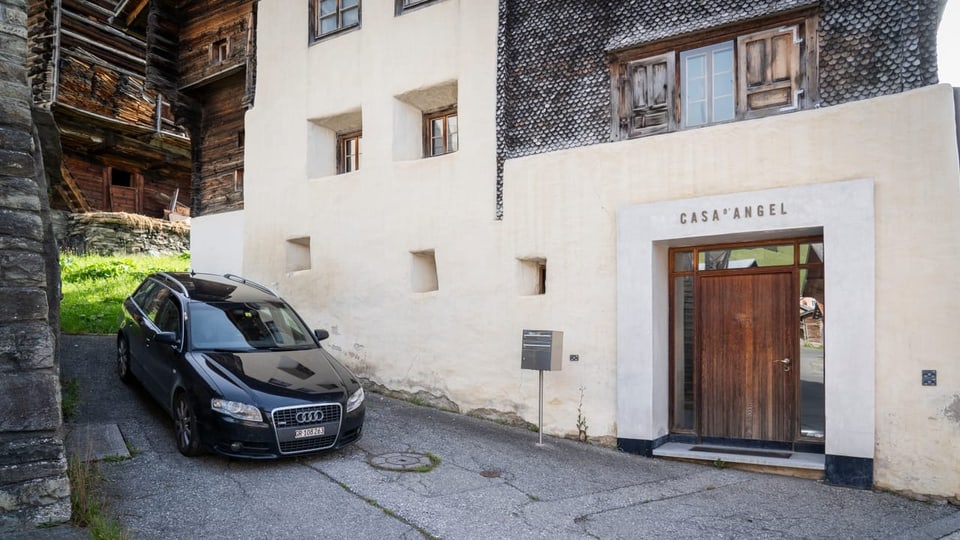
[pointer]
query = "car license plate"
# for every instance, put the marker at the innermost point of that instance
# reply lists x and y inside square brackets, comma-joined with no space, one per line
[308,432]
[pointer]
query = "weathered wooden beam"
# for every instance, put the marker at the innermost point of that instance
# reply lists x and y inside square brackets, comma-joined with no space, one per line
[136,11]
[108,121]
[99,45]
[73,191]
[139,43]
[91,7]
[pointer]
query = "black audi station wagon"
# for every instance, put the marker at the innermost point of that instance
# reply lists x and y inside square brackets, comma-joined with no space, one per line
[236,368]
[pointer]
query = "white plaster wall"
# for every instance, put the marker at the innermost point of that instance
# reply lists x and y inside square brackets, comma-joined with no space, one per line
[216,243]
[905,144]
[463,340]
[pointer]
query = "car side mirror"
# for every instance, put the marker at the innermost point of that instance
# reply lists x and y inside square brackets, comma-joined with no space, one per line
[169,338]
[321,334]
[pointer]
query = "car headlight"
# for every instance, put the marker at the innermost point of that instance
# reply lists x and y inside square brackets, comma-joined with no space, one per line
[355,400]
[240,411]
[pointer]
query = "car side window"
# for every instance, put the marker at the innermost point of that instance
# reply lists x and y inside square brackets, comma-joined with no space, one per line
[145,294]
[168,317]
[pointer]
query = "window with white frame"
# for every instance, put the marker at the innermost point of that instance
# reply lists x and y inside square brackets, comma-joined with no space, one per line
[693,83]
[706,79]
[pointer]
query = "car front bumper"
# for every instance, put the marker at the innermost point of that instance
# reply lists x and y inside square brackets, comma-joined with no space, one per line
[259,440]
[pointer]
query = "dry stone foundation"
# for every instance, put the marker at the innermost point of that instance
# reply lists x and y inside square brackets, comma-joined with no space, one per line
[114,233]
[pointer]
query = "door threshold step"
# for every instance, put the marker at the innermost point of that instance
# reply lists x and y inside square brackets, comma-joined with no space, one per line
[739,455]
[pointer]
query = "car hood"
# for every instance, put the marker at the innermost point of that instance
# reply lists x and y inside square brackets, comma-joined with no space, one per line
[307,375]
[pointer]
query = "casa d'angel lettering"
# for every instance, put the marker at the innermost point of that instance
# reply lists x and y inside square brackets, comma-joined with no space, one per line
[736,212]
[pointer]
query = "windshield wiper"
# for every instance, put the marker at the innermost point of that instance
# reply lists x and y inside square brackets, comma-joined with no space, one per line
[293,348]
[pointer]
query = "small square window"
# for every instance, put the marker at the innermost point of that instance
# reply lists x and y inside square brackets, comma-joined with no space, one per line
[334,15]
[348,152]
[440,132]
[533,277]
[406,5]
[423,273]
[121,178]
[241,138]
[219,51]
[298,254]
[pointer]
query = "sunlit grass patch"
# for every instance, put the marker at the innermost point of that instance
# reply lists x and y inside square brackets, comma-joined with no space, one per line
[94,287]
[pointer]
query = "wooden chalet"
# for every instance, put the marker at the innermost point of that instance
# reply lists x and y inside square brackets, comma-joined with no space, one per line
[146,99]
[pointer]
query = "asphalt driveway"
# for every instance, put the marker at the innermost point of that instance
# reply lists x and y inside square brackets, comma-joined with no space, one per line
[493,481]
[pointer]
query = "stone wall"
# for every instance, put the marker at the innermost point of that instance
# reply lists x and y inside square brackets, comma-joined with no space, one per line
[34,488]
[110,233]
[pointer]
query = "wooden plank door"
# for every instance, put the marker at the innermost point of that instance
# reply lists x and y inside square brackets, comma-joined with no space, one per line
[747,326]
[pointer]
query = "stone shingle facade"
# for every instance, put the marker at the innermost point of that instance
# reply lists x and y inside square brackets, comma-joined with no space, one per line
[553,82]
[34,489]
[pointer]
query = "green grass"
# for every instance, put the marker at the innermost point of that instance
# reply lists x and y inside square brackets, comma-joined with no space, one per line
[94,287]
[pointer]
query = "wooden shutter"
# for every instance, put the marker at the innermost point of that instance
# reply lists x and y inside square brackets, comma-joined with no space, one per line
[647,95]
[768,73]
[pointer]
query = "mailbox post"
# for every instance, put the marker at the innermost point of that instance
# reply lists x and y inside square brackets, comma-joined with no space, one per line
[541,350]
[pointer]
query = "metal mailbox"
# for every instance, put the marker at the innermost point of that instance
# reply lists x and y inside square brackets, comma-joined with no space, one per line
[542,350]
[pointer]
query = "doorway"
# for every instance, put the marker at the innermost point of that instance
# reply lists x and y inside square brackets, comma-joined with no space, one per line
[746,328]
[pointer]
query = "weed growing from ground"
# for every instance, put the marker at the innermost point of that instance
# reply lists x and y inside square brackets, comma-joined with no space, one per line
[88,506]
[69,398]
[581,420]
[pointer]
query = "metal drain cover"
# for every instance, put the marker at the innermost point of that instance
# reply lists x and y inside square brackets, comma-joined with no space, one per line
[402,461]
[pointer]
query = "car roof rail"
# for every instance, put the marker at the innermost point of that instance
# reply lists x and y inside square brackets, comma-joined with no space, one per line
[252,283]
[174,281]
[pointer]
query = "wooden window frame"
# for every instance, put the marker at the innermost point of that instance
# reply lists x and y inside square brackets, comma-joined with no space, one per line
[542,277]
[344,162]
[428,119]
[316,27]
[220,51]
[625,125]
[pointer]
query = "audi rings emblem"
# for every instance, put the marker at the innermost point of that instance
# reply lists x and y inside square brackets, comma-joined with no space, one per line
[305,417]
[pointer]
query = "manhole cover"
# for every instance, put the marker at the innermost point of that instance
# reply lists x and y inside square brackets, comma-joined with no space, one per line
[490,473]
[403,461]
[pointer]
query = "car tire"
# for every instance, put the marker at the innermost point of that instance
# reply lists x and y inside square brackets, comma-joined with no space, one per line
[123,360]
[185,426]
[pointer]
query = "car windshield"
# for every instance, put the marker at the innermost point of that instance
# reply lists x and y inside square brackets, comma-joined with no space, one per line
[236,326]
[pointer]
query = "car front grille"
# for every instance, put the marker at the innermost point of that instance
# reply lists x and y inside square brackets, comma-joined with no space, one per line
[290,423]
[306,445]
[288,417]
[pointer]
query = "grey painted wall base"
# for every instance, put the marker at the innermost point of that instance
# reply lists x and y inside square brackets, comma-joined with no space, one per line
[639,446]
[848,471]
